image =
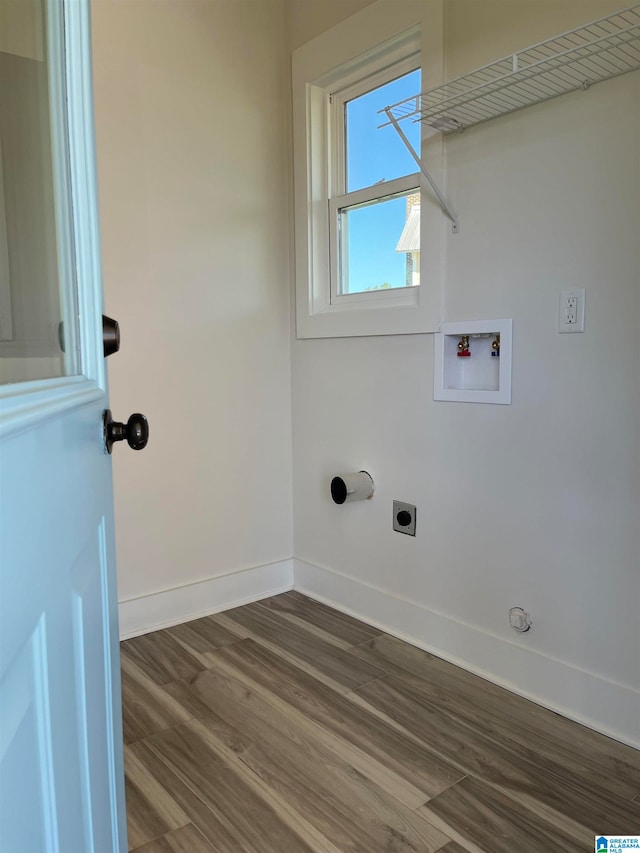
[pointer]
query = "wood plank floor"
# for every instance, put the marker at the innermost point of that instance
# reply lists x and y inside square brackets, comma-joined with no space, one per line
[285,726]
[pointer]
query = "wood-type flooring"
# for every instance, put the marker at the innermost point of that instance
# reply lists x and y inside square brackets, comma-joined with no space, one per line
[287,727]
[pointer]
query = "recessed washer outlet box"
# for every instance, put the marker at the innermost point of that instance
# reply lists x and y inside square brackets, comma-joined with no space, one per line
[404,518]
[468,368]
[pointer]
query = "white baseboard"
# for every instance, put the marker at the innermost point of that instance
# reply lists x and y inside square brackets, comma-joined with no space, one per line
[586,697]
[172,606]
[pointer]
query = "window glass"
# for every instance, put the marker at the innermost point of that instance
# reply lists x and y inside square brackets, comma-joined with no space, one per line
[38,313]
[380,244]
[373,154]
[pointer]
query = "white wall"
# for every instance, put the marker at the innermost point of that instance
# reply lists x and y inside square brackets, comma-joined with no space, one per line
[191,131]
[534,504]
[305,19]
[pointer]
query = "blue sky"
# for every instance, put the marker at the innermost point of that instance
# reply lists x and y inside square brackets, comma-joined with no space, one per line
[374,155]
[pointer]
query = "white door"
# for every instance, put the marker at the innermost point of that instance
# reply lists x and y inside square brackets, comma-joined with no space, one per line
[61,769]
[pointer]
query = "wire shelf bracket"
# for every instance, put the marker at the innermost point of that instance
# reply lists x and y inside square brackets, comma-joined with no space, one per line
[444,203]
[569,62]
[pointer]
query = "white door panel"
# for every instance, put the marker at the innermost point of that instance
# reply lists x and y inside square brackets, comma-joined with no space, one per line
[61,768]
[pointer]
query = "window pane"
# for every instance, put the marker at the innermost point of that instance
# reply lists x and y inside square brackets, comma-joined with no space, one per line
[373,154]
[38,317]
[380,244]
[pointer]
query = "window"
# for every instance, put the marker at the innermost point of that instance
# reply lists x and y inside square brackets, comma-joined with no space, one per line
[368,254]
[374,209]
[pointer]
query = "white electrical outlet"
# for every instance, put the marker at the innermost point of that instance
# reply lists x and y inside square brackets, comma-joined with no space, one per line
[571,310]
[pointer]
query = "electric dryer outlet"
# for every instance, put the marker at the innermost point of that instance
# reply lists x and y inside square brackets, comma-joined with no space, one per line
[404,518]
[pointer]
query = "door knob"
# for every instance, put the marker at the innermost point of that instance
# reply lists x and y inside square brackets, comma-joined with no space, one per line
[135,431]
[110,336]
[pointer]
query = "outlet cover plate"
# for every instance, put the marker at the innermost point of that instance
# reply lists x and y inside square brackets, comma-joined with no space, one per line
[571,310]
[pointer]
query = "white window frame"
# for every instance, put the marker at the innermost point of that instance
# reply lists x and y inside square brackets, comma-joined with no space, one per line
[374,46]
[339,198]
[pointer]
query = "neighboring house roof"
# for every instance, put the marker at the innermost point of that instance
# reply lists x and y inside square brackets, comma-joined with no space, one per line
[410,238]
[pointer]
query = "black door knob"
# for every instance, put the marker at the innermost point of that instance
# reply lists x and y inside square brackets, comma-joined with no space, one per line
[135,431]
[110,336]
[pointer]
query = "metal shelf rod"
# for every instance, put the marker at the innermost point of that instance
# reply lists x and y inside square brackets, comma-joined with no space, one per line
[573,60]
[528,75]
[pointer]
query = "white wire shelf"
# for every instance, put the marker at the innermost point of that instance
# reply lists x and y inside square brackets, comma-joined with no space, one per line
[575,60]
